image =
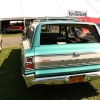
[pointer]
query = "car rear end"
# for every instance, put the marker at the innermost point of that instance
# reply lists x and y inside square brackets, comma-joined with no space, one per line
[73,67]
[73,57]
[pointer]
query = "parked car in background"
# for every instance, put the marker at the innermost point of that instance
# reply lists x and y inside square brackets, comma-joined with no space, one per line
[15,27]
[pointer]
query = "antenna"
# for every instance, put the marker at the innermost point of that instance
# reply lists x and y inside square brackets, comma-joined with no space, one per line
[23,12]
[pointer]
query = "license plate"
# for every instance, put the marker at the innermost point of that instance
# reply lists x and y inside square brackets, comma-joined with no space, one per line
[76,79]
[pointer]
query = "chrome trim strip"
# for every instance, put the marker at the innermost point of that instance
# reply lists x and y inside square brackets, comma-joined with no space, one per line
[68,65]
[67,57]
[66,54]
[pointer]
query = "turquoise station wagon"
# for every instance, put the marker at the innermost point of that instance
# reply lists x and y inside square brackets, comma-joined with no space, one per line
[61,50]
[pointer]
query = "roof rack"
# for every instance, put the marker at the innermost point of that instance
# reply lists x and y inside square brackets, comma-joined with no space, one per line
[44,19]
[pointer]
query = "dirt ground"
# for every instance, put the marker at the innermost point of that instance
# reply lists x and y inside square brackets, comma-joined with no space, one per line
[11,41]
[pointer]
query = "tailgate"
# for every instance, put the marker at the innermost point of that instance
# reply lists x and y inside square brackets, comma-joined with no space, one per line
[68,56]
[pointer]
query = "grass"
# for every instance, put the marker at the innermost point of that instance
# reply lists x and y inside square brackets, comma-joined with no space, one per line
[13,86]
[11,34]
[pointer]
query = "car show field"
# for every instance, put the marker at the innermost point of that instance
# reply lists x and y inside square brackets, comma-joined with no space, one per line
[49,49]
[13,86]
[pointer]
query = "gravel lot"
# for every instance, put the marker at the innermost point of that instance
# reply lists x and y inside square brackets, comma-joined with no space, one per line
[11,41]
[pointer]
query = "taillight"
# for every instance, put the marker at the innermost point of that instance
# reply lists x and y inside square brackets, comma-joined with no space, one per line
[20,28]
[29,59]
[29,63]
[28,66]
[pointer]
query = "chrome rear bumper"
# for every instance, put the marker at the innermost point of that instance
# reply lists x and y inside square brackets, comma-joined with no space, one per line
[88,76]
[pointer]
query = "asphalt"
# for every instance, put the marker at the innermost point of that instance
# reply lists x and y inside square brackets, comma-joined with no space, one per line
[11,41]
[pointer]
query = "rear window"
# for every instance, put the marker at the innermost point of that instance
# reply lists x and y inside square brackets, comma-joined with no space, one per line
[68,33]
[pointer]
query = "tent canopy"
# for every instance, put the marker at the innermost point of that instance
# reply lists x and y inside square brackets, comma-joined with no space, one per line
[28,9]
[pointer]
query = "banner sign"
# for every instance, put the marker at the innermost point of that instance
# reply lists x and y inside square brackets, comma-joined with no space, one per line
[73,13]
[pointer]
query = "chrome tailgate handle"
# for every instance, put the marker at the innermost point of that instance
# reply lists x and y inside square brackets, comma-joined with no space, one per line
[76,53]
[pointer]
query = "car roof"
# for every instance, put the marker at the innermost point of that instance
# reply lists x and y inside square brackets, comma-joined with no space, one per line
[65,22]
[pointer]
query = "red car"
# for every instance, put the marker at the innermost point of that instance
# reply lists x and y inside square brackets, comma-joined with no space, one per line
[15,27]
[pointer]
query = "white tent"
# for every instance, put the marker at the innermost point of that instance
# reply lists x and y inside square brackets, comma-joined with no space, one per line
[18,9]
[10,9]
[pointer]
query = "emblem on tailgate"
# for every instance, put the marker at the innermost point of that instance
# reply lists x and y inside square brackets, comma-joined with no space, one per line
[46,60]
